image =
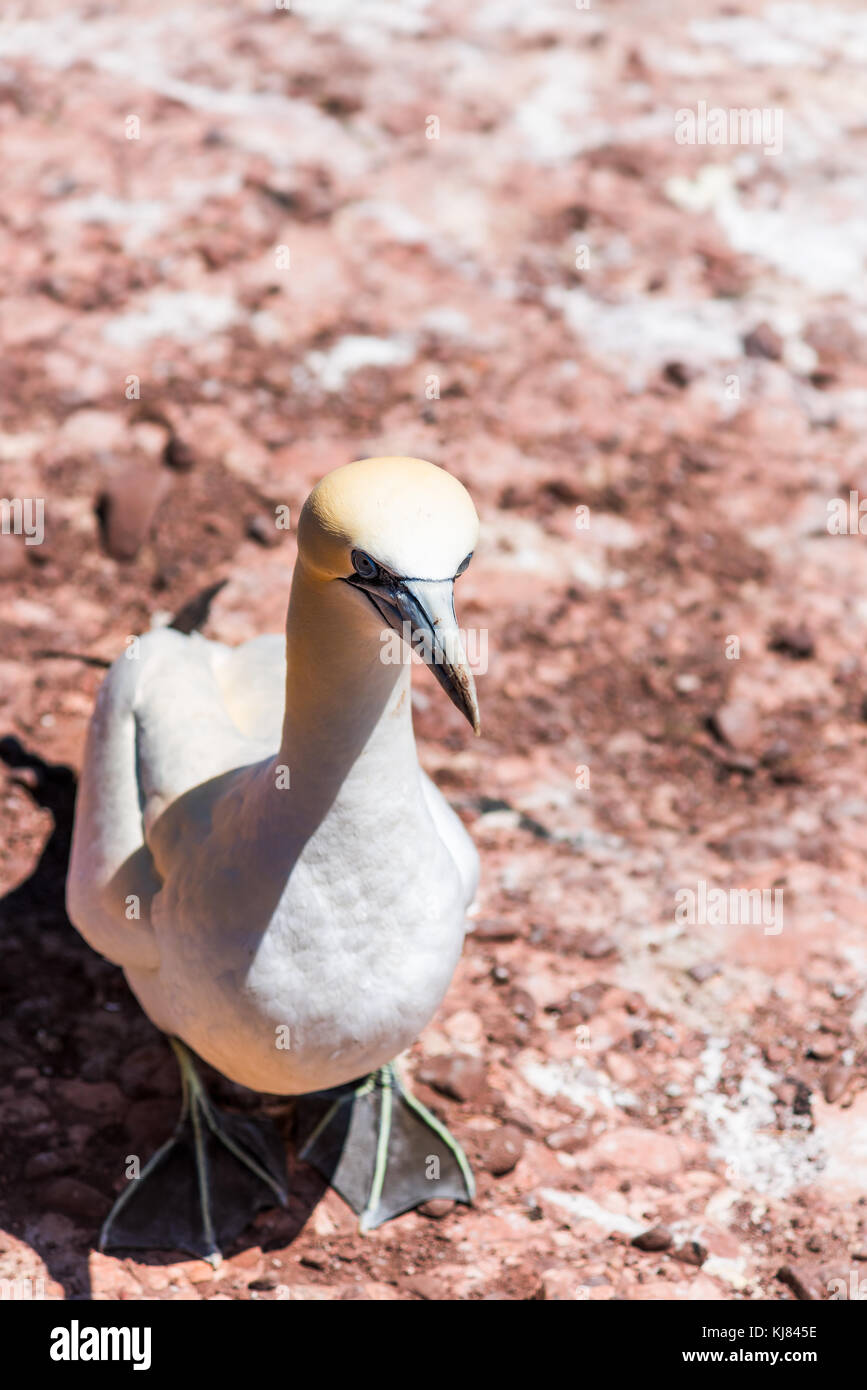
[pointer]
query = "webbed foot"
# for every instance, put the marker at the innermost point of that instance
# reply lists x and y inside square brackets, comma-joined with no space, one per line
[381,1149]
[205,1184]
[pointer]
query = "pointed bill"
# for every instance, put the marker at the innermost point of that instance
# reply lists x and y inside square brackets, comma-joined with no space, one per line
[428,608]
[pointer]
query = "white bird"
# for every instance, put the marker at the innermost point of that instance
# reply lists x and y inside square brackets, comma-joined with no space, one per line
[256,845]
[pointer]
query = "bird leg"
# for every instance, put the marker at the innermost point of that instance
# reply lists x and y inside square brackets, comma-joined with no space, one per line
[203,1186]
[381,1149]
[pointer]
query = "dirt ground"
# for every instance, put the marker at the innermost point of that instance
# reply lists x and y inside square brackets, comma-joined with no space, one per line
[241,245]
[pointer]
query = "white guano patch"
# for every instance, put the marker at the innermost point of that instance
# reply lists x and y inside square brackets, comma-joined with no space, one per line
[186,316]
[333,367]
[743,1132]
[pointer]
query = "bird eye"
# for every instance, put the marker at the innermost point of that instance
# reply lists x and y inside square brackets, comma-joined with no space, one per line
[364,567]
[462,566]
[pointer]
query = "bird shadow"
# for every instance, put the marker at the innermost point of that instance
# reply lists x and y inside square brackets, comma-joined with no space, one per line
[67,1017]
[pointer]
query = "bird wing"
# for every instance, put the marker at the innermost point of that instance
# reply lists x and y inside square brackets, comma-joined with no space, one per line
[159,728]
[451,831]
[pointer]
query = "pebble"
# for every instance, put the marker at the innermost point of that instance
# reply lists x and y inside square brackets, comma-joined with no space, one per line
[635,1150]
[737,724]
[75,1199]
[22,1113]
[704,971]
[569,1139]
[314,1259]
[262,529]
[823,1047]
[179,455]
[802,1282]
[561,1286]
[596,946]
[692,1252]
[522,1004]
[128,506]
[501,1150]
[763,341]
[147,1071]
[795,641]
[436,1208]
[461,1078]
[44,1165]
[101,1098]
[834,1083]
[464,1027]
[655,1238]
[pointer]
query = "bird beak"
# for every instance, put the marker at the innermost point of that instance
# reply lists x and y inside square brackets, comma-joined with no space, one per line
[423,612]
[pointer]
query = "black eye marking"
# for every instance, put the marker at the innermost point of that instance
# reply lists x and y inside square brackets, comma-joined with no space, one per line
[463,565]
[364,567]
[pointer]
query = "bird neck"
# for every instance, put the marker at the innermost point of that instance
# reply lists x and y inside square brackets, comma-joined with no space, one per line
[348,722]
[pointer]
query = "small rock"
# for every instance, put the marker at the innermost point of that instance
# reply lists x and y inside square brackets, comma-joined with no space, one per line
[464,1027]
[22,1113]
[179,455]
[74,1199]
[149,1070]
[44,1165]
[834,1082]
[794,641]
[128,506]
[823,1047]
[96,1097]
[763,341]
[705,970]
[522,1004]
[561,1286]
[655,1238]
[502,1149]
[578,1007]
[802,1282]
[737,724]
[569,1139]
[262,529]
[314,1259]
[595,946]
[635,1150]
[620,1068]
[436,1208]
[370,1291]
[679,373]
[692,1252]
[427,1287]
[461,1078]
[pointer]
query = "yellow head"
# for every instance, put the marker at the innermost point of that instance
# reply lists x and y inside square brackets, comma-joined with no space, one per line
[398,531]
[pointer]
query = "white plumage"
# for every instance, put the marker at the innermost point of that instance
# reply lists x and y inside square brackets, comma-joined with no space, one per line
[296,937]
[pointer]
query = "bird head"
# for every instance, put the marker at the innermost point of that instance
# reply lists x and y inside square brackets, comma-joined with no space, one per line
[397,533]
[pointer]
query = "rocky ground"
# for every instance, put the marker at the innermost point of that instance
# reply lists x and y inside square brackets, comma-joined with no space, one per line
[241,245]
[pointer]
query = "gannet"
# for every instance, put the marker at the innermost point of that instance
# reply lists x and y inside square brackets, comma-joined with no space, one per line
[257,846]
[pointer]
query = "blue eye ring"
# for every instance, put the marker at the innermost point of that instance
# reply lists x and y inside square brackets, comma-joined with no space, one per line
[364,567]
[463,565]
